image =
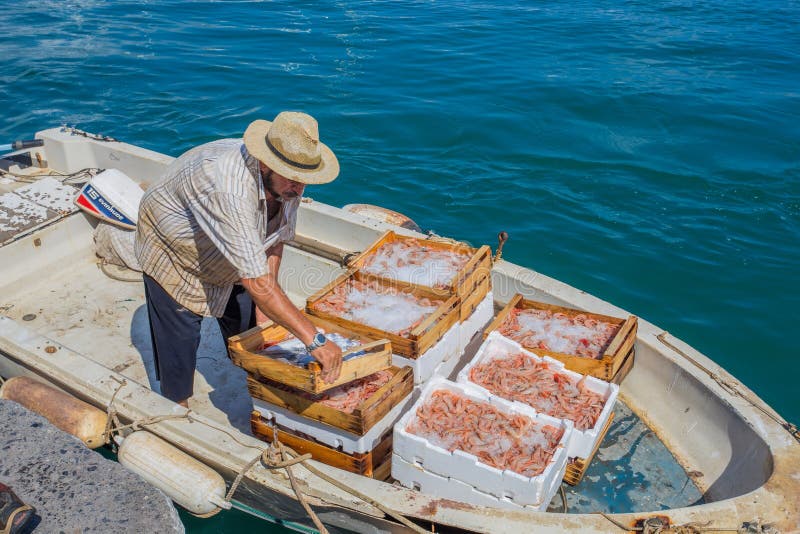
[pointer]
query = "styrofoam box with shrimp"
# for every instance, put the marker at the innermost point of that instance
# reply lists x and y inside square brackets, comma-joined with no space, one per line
[467,468]
[482,314]
[425,365]
[582,442]
[417,478]
[329,435]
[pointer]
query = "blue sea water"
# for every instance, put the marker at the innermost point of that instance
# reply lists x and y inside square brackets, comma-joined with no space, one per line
[645,152]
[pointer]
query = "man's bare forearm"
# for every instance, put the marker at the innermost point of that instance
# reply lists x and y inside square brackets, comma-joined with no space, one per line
[273,302]
[274,255]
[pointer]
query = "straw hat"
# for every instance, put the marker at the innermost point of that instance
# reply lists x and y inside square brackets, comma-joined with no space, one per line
[291,147]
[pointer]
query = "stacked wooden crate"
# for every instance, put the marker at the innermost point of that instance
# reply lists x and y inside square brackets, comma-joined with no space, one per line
[617,357]
[290,401]
[433,346]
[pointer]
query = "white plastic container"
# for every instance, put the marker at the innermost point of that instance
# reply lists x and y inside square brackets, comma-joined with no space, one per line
[189,483]
[443,350]
[330,435]
[464,467]
[582,442]
[419,479]
[481,315]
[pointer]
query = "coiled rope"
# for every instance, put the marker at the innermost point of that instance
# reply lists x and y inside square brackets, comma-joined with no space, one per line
[276,456]
[103,263]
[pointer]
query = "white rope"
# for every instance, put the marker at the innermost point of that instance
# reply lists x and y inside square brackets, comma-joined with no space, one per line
[288,458]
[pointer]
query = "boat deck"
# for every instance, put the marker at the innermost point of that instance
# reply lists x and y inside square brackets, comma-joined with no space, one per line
[106,320]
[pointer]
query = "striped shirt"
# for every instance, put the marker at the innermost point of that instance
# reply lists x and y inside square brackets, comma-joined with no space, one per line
[203,226]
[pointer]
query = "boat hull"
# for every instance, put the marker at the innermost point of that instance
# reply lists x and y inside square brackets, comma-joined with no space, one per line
[731,443]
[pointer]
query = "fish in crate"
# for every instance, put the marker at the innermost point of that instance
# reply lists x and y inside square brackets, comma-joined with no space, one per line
[293,351]
[271,352]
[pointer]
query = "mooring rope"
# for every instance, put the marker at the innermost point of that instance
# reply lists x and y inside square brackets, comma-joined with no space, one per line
[268,457]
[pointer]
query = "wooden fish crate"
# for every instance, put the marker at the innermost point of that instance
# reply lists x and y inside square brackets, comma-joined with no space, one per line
[359,421]
[243,348]
[576,467]
[470,284]
[617,358]
[421,338]
[376,463]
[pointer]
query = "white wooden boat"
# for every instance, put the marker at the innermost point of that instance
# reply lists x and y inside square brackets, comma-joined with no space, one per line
[64,321]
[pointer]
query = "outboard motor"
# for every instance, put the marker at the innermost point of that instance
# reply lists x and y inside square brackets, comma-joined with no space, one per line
[112,196]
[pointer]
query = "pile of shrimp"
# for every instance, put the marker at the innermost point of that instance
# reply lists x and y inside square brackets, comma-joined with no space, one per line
[579,335]
[520,377]
[385,308]
[501,440]
[411,260]
[347,397]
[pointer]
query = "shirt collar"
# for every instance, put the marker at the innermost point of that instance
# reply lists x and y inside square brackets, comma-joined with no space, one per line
[255,169]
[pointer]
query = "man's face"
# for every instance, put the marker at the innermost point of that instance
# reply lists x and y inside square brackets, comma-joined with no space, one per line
[280,188]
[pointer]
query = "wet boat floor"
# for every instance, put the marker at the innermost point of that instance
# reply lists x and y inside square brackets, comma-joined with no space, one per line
[632,471]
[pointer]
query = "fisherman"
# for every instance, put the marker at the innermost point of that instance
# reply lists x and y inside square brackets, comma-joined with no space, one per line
[210,237]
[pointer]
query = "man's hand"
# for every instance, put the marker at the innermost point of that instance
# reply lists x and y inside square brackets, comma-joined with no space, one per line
[330,356]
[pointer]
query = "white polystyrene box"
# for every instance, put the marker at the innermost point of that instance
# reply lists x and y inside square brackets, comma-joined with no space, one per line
[582,442]
[481,315]
[330,435]
[443,350]
[503,484]
[417,478]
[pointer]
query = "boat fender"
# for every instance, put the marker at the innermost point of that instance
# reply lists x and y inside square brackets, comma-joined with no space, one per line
[382,214]
[190,483]
[82,420]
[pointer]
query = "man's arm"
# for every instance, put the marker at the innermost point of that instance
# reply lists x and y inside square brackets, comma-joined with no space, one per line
[270,299]
[274,255]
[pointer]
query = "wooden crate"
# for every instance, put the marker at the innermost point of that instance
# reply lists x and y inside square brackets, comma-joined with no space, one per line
[576,467]
[618,355]
[421,338]
[359,421]
[242,351]
[470,284]
[374,464]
